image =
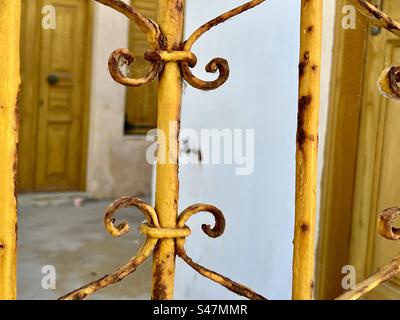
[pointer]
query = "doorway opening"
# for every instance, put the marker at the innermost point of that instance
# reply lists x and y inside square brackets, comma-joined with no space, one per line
[54,97]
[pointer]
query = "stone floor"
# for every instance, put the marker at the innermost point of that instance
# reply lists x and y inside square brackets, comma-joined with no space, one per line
[74,241]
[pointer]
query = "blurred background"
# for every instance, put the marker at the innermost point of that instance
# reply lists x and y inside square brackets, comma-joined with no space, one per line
[83,144]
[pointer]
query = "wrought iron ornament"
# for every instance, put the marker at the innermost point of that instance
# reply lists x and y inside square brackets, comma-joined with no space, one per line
[154,232]
[158,56]
[389,85]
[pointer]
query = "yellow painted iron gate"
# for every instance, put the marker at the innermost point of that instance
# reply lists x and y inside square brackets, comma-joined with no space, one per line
[171,61]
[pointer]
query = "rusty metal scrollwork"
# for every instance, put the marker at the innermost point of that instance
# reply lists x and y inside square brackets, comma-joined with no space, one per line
[217,64]
[386,220]
[389,86]
[389,81]
[386,226]
[151,228]
[214,232]
[116,231]
[123,56]
[158,56]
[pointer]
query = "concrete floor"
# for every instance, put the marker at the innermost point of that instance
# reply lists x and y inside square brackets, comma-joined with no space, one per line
[74,241]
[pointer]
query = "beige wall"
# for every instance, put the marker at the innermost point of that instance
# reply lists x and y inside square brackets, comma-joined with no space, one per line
[116,163]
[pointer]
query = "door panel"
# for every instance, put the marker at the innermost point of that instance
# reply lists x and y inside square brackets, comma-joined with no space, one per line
[141,103]
[28,96]
[61,105]
[378,164]
[388,175]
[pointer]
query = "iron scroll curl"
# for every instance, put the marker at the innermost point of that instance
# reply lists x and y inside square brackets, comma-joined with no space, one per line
[158,56]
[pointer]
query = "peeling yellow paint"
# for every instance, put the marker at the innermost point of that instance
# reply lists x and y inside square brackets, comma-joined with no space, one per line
[10,12]
[167,183]
[307,148]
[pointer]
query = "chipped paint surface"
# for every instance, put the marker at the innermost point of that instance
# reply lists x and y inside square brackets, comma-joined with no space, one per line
[161,229]
[10,11]
[377,17]
[307,148]
[167,182]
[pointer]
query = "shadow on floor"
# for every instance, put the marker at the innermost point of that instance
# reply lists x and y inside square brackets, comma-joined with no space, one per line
[74,241]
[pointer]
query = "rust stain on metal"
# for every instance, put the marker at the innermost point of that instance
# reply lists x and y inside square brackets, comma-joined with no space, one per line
[10,81]
[179,7]
[159,288]
[389,82]
[377,16]
[16,230]
[304,63]
[394,80]
[304,227]
[302,135]
[163,271]
[386,220]
[154,233]
[165,232]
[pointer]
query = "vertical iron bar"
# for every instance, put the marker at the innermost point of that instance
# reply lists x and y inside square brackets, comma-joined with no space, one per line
[307,148]
[171,14]
[10,13]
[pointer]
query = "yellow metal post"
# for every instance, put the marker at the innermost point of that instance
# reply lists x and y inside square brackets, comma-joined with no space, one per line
[165,231]
[167,183]
[10,12]
[307,148]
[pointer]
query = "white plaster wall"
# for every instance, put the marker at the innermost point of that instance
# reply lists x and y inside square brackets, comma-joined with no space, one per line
[262,47]
[116,163]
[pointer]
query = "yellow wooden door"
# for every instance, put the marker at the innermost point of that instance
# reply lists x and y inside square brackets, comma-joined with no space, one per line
[54,95]
[378,162]
[141,103]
